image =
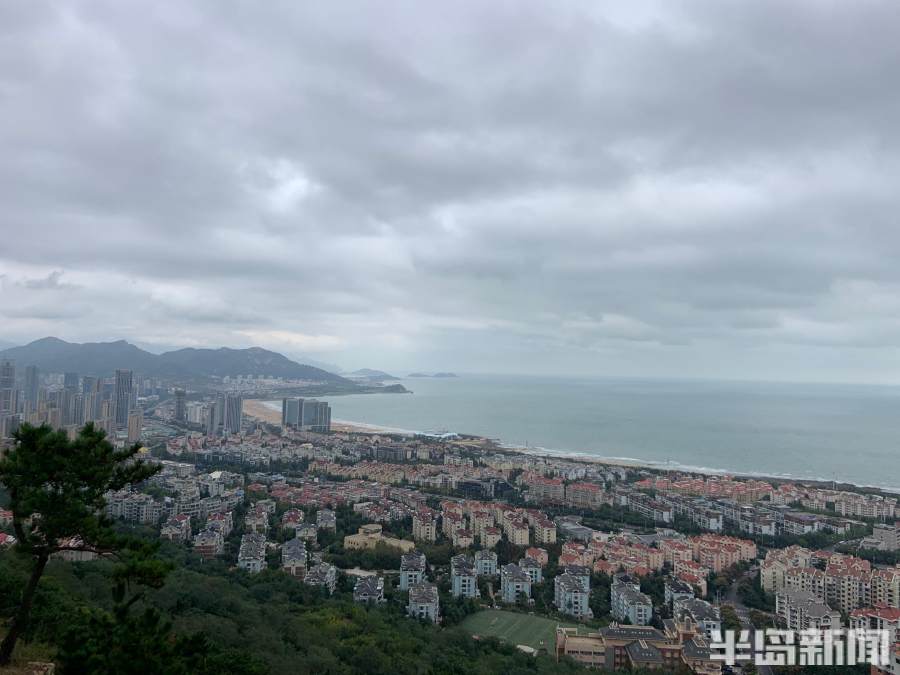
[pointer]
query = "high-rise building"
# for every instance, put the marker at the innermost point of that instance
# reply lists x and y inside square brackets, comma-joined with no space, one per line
[91,404]
[89,384]
[135,425]
[75,409]
[180,408]
[233,413]
[124,389]
[31,387]
[70,381]
[8,403]
[212,419]
[315,415]
[290,412]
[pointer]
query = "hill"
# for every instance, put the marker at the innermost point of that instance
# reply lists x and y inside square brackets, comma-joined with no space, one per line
[371,374]
[51,354]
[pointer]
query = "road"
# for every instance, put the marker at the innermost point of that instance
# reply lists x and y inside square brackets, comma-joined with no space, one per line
[743,613]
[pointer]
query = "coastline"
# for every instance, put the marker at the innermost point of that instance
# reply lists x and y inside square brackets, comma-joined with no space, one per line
[259,410]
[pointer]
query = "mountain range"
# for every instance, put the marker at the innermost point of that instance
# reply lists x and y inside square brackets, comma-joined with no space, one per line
[51,354]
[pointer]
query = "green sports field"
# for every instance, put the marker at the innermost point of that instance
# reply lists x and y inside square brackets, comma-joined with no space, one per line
[514,628]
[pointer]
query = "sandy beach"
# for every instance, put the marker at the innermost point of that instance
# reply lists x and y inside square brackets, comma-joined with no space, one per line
[260,411]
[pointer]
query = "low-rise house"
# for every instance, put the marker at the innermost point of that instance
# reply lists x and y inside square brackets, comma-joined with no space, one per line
[627,603]
[538,554]
[619,647]
[463,578]
[369,589]
[257,520]
[294,558]
[326,519]
[177,528]
[307,531]
[221,521]
[676,589]
[701,613]
[424,603]
[371,535]
[209,543]
[323,575]
[486,563]
[514,582]
[291,520]
[252,554]
[412,569]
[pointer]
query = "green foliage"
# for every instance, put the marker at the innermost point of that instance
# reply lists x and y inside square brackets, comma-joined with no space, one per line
[752,595]
[65,482]
[730,620]
[56,492]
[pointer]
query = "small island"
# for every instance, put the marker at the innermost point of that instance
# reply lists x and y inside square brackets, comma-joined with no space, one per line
[434,375]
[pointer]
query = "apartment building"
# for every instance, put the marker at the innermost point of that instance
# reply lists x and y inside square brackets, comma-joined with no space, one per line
[463,577]
[491,536]
[546,490]
[424,527]
[778,562]
[585,495]
[627,603]
[571,596]
[424,603]
[544,531]
[412,569]
[801,610]
[533,569]
[514,582]
[486,563]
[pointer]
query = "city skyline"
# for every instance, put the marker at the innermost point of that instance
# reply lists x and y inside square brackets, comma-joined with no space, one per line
[644,189]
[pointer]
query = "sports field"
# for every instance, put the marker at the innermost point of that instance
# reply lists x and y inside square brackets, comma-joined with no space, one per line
[514,628]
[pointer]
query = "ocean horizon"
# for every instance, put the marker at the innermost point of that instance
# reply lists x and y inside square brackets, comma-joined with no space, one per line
[844,432]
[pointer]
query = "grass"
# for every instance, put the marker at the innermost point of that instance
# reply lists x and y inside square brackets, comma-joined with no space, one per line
[515,628]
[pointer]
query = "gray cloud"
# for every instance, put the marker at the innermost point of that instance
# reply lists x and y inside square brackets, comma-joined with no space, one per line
[644,188]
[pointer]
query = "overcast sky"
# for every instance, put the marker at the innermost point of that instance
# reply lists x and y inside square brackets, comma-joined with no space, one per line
[704,189]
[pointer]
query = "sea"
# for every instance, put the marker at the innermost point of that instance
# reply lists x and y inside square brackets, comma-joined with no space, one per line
[847,433]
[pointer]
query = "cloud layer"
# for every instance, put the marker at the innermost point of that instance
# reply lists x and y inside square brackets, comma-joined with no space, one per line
[678,189]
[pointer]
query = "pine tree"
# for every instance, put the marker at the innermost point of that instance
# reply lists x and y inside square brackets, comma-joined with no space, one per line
[56,489]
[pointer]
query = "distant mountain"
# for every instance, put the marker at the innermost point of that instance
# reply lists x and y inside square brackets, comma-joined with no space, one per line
[6,344]
[102,358]
[370,374]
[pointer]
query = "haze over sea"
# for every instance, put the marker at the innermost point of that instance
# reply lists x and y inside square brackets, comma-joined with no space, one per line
[818,431]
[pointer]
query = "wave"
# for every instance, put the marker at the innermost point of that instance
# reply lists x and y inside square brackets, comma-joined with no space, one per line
[599,457]
[583,455]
